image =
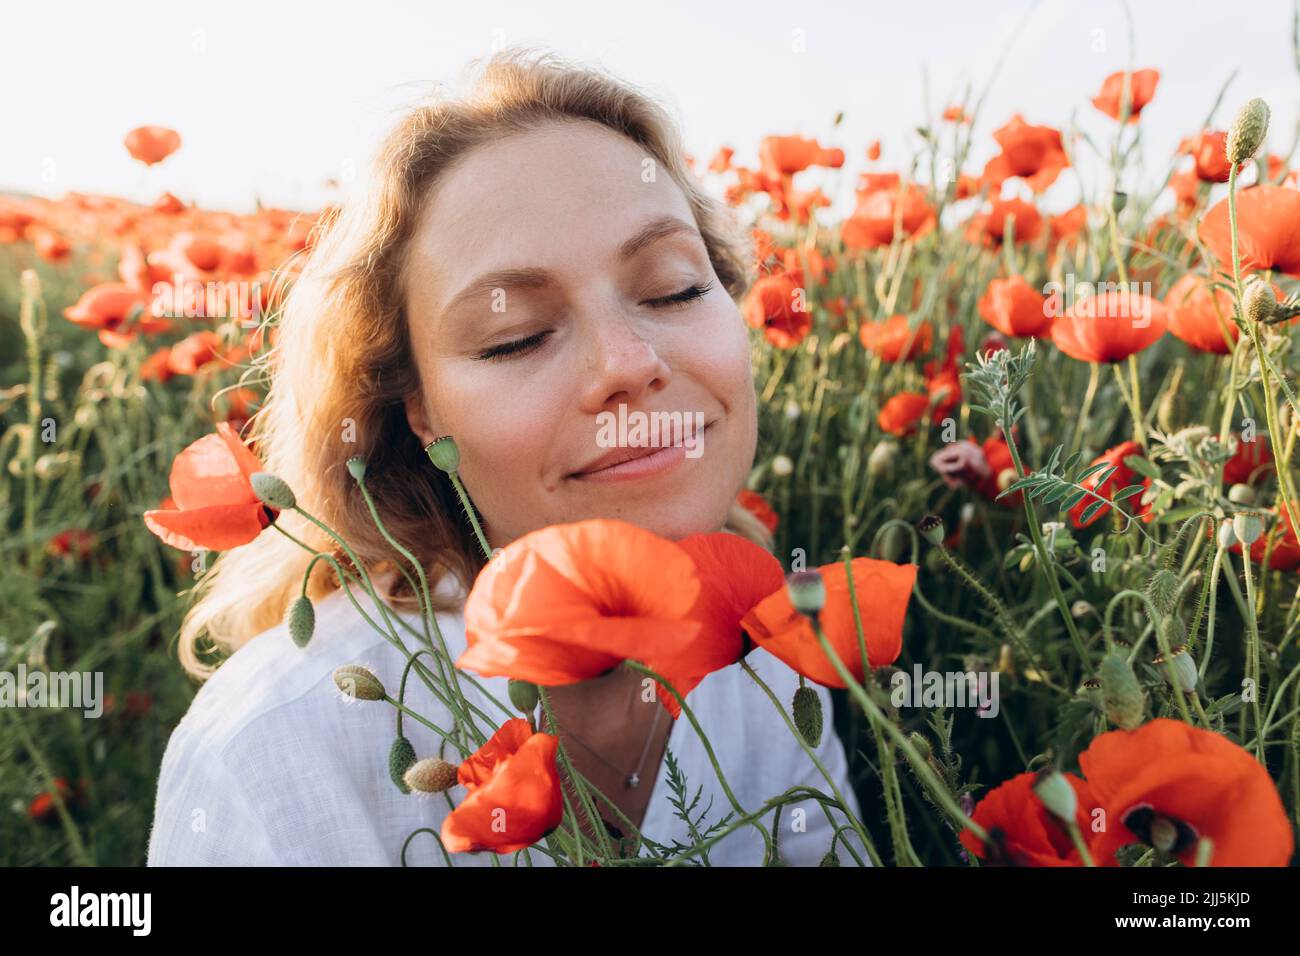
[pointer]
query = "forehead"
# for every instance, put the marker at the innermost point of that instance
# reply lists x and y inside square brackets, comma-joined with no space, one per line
[549,198]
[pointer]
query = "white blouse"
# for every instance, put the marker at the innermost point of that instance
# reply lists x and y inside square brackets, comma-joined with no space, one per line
[273,766]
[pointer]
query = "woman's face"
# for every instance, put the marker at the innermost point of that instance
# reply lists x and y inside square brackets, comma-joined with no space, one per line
[540,292]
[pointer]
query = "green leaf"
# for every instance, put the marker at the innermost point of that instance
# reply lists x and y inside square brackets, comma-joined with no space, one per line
[1128,492]
[1092,470]
[1091,510]
[1143,466]
[1074,499]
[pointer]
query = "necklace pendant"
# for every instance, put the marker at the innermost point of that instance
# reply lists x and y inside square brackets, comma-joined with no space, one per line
[633,780]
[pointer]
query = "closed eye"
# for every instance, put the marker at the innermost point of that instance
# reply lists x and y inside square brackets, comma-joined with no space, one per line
[681,298]
[513,348]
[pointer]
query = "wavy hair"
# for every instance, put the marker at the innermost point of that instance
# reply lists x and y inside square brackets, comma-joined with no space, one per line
[341,366]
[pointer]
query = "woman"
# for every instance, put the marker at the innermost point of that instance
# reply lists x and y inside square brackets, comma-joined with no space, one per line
[531,257]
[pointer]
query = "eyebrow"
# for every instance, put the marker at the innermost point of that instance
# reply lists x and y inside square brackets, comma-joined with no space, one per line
[535,278]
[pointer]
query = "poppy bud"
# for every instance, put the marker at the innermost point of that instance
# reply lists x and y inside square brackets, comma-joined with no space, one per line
[357,467]
[1241,494]
[400,758]
[1184,666]
[931,528]
[359,682]
[272,491]
[1247,132]
[1118,201]
[807,707]
[444,453]
[1080,608]
[1057,795]
[1122,696]
[430,775]
[881,460]
[921,744]
[782,466]
[1258,300]
[792,410]
[1247,527]
[1226,537]
[302,621]
[1162,588]
[830,859]
[523,695]
[807,591]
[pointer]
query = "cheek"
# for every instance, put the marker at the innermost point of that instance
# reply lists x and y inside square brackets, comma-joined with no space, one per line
[720,359]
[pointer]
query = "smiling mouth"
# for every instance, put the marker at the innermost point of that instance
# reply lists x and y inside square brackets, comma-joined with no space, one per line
[639,461]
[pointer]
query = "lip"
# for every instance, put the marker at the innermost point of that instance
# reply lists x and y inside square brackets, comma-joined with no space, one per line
[625,464]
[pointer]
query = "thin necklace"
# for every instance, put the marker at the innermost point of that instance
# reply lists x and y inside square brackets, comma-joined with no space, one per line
[632,779]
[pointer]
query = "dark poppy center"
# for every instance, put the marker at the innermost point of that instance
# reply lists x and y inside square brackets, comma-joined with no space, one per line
[1167,834]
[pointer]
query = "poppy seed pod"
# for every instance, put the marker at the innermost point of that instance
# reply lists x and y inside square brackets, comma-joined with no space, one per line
[359,682]
[807,591]
[1247,527]
[807,708]
[1240,494]
[1247,132]
[400,758]
[301,621]
[1057,794]
[1122,696]
[1184,666]
[523,695]
[881,460]
[1226,536]
[444,453]
[272,490]
[357,467]
[931,528]
[782,466]
[1258,300]
[430,775]
[1162,588]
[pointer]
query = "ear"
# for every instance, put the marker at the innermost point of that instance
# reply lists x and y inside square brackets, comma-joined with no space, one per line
[418,420]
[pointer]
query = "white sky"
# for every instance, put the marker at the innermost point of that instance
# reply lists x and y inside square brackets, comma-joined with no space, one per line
[273,99]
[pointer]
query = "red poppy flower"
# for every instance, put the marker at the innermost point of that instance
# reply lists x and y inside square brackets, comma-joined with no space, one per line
[1070,223]
[570,602]
[1033,153]
[757,505]
[989,228]
[1209,149]
[1170,782]
[152,144]
[1015,308]
[895,338]
[1187,190]
[903,412]
[786,155]
[1002,472]
[216,506]
[194,351]
[514,797]
[42,806]
[74,541]
[873,221]
[1268,230]
[1248,463]
[883,590]
[1201,317]
[1023,831]
[735,575]
[1142,88]
[1110,326]
[1122,477]
[776,305]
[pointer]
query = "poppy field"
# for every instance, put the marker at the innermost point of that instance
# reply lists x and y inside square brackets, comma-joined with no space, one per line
[1046,451]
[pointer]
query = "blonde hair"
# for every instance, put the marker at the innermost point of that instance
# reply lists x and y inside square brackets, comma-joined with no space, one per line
[341,366]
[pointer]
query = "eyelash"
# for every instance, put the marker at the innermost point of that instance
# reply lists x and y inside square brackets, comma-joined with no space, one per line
[527,344]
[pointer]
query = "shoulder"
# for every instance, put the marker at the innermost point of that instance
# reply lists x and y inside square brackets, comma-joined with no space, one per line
[271,758]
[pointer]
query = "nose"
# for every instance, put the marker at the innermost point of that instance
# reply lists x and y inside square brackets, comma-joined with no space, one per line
[622,365]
